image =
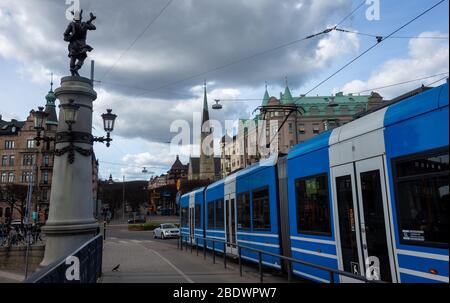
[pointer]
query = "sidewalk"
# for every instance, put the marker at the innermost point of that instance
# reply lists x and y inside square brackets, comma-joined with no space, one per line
[10,277]
[149,261]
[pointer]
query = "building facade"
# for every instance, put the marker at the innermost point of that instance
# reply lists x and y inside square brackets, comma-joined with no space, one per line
[279,129]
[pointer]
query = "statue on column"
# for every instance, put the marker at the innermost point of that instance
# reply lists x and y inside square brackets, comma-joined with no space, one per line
[75,34]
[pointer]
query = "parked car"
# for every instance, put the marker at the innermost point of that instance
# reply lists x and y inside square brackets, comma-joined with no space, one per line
[165,231]
[137,220]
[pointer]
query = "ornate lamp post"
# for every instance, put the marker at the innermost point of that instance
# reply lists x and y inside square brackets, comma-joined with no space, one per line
[71,223]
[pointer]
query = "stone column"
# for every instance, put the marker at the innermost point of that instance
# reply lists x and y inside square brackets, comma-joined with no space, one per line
[70,222]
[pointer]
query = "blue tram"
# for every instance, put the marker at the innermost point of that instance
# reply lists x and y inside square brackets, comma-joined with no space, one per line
[371,197]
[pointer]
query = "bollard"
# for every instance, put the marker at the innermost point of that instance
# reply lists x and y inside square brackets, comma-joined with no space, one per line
[104,231]
[260,267]
[214,252]
[191,244]
[196,246]
[240,260]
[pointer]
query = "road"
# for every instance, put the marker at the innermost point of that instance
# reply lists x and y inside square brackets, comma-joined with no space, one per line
[143,259]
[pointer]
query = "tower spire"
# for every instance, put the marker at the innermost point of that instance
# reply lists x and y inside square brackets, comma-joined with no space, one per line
[51,82]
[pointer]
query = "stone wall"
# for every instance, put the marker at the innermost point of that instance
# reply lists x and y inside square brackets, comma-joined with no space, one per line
[14,258]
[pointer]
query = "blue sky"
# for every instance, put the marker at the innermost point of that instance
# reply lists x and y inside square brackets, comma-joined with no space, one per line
[24,73]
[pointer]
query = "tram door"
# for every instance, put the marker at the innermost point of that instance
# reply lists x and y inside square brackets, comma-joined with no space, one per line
[362,225]
[230,223]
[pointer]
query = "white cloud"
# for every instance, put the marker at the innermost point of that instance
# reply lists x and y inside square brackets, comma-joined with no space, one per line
[426,57]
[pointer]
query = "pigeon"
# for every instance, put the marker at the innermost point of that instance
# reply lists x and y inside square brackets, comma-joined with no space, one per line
[116,268]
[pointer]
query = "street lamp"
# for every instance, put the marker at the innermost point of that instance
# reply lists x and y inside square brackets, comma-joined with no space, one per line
[40,119]
[70,115]
[217,106]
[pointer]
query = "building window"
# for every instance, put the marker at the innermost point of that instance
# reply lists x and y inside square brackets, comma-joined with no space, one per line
[302,129]
[4,160]
[44,195]
[11,177]
[28,160]
[316,129]
[11,160]
[4,177]
[184,216]
[31,143]
[313,207]
[219,213]
[198,218]
[9,144]
[27,177]
[46,160]
[211,210]
[243,211]
[291,128]
[45,177]
[422,185]
[261,210]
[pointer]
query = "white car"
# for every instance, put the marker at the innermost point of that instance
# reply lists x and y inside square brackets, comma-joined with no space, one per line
[165,231]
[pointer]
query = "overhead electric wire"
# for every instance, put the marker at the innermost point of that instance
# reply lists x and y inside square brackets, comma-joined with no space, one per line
[393,37]
[352,93]
[400,83]
[137,38]
[352,12]
[434,82]
[131,166]
[365,52]
[373,46]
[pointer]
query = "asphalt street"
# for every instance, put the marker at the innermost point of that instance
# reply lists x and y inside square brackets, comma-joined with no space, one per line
[143,259]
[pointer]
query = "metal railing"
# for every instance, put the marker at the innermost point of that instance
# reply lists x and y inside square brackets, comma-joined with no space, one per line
[332,272]
[90,261]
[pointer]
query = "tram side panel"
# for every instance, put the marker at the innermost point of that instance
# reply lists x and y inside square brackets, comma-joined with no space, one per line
[257,213]
[312,233]
[417,161]
[214,214]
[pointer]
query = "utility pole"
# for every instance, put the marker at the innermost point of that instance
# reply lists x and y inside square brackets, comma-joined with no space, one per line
[123,199]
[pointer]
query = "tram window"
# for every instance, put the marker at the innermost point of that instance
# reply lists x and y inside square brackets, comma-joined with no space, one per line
[243,209]
[422,186]
[211,211]
[313,206]
[197,217]
[261,210]
[184,216]
[219,213]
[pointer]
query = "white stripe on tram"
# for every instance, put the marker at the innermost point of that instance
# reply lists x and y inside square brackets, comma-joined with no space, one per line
[422,255]
[315,253]
[313,240]
[423,275]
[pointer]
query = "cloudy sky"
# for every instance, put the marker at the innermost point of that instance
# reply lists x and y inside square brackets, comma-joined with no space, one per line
[152,75]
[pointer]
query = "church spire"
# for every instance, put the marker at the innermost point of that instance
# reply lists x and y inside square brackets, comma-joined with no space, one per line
[205,116]
[266,97]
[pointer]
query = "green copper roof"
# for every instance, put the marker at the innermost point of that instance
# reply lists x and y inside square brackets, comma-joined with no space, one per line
[50,107]
[51,98]
[266,98]
[286,98]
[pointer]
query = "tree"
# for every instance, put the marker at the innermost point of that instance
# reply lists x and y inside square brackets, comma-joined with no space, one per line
[16,196]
